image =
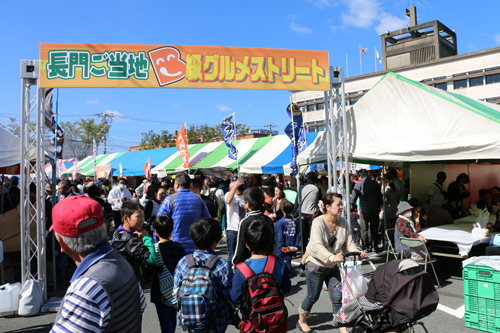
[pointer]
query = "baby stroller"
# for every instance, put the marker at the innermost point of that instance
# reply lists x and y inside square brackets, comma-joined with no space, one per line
[399,294]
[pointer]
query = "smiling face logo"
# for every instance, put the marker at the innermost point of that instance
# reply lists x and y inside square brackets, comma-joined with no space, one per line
[168,65]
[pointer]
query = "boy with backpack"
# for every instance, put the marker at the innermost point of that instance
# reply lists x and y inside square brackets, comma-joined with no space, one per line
[254,203]
[168,255]
[132,241]
[288,235]
[260,282]
[203,281]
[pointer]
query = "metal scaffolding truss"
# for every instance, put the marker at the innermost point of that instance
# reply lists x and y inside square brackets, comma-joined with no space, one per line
[32,207]
[336,131]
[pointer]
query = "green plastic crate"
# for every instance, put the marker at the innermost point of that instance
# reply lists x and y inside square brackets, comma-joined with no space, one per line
[482,322]
[482,298]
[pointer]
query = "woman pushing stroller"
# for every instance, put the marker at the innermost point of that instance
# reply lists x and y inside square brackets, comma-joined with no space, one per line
[330,234]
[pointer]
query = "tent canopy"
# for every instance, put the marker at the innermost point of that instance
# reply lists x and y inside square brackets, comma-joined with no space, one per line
[133,162]
[258,155]
[10,152]
[400,120]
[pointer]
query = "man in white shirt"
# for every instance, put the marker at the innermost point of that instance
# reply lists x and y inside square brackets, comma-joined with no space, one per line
[235,212]
[437,187]
[116,197]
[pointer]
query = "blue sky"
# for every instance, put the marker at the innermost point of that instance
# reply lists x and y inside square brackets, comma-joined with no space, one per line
[337,26]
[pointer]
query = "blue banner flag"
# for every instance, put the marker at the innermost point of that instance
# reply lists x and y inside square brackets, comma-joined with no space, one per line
[297,134]
[229,133]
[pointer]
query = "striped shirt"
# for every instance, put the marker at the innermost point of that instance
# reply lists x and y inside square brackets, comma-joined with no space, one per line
[86,306]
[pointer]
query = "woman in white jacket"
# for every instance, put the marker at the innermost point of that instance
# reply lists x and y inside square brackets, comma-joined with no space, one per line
[330,237]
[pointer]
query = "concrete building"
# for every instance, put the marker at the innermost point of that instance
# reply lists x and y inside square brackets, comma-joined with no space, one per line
[475,75]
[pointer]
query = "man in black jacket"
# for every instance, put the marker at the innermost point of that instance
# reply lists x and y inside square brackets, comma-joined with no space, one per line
[196,186]
[370,203]
[254,202]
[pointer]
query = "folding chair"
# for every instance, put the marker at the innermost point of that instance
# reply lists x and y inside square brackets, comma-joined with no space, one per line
[415,242]
[389,235]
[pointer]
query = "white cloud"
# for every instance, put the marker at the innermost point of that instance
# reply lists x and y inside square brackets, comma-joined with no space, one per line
[323,3]
[177,105]
[92,101]
[117,116]
[300,30]
[391,23]
[223,108]
[361,14]
[497,38]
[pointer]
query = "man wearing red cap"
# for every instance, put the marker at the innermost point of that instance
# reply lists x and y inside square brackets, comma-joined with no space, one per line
[104,294]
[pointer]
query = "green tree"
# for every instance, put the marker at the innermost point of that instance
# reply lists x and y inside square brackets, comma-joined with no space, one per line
[87,130]
[152,140]
[195,134]
[206,133]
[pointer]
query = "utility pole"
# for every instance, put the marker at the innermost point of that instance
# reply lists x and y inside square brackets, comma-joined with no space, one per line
[104,116]
[270,128]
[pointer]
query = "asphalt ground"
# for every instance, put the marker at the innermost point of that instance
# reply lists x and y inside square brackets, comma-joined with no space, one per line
[447,318]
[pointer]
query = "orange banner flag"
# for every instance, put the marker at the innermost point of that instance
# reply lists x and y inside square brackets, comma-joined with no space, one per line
[181,145]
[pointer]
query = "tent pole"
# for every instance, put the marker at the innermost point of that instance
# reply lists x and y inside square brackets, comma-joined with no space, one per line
[3,186]
[328,136]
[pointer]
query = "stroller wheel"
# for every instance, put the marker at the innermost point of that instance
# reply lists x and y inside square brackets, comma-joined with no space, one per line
[417,327]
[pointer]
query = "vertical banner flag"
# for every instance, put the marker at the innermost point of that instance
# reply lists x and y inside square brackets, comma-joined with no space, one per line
[59,164]
[181,144]
[147,169]
[229,132]
[75,170]
[49,122]
[94,155]
[295,131]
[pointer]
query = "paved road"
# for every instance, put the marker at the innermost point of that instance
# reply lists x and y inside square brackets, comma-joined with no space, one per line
[446,320]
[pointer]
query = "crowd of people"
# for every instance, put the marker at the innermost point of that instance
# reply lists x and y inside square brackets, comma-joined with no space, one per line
[166,230]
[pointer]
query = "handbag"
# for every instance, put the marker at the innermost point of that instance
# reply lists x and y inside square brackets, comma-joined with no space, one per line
[166,279]
[306,254]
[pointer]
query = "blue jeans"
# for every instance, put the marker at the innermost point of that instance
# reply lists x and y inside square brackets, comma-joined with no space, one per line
[232,238]
[314,282]
[167,316]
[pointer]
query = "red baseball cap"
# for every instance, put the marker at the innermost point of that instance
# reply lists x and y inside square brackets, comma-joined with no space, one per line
[67,215]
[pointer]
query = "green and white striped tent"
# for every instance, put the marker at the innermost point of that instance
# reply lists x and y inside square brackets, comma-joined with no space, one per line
[86,166]
[400,120]
[259,155]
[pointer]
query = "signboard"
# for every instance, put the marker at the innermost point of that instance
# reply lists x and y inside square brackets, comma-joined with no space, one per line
[174,66]
[321,169]
[218,172]
[103,171]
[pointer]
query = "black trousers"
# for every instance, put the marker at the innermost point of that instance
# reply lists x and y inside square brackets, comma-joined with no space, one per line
[306,228]
[117,217]
[369,220]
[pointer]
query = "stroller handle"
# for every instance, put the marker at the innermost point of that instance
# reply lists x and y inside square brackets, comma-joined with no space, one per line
[351,254]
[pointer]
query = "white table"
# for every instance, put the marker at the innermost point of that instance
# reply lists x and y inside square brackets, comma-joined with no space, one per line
[471,219]
[458,234]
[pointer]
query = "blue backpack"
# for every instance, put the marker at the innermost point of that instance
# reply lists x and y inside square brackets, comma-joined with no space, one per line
[196,295]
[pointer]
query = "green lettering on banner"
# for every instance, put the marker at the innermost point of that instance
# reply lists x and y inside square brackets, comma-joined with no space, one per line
[115,65]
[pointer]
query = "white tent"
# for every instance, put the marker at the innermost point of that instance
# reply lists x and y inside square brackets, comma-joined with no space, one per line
[10,152]
[400,120]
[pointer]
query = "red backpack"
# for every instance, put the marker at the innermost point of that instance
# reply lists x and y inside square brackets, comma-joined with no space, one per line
[263,306]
